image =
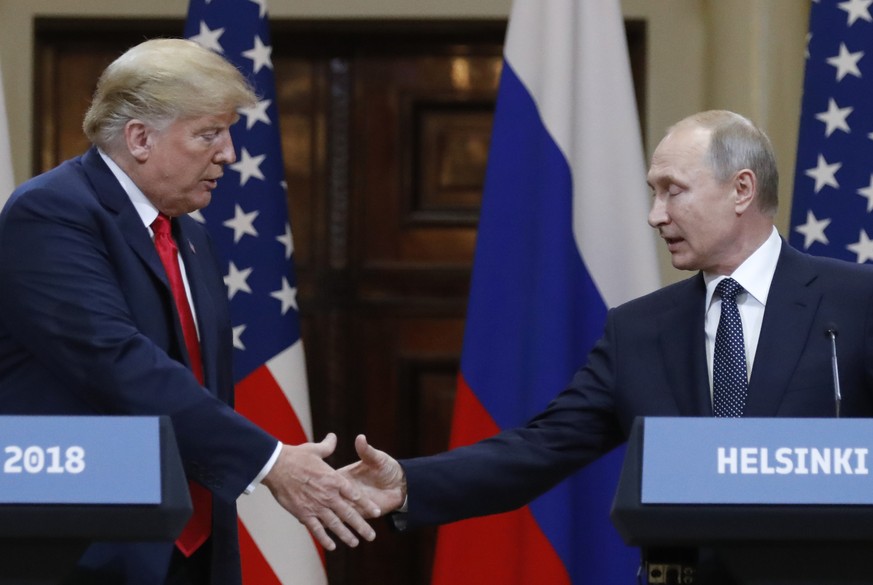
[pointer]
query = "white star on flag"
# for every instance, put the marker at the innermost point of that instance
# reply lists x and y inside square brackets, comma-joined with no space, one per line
[248,166]
[259,54]
[236,280]
[287,240]
[813,230]
[237,337]
[846,62]
[856,9]
[824,174]
[257,113]
[209,38]
[242,223]
[262,7]
[868,193]
[863,248]
[835,117]
[287,295]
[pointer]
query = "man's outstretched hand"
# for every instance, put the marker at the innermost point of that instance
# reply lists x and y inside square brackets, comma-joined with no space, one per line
[320,497]
[377,476]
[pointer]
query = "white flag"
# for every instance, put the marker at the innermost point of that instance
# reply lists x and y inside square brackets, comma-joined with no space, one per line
[7,182]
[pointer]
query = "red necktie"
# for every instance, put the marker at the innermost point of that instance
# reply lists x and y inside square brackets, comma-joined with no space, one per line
[199,526]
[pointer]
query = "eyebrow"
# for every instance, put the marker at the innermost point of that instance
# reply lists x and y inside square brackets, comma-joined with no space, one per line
[666,180]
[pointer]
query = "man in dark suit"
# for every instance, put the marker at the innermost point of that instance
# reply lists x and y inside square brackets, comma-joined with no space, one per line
[89,323]
[714,194]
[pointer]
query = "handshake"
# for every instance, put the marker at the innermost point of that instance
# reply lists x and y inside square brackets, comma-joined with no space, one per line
[340,501]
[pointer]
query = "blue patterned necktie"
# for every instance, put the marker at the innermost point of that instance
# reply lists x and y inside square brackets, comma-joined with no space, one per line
[729,378]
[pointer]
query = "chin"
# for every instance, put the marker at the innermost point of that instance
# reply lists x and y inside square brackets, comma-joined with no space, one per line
[683,264]
[202,201]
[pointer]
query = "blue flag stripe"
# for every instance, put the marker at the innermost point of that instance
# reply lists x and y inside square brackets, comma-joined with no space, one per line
[531,301]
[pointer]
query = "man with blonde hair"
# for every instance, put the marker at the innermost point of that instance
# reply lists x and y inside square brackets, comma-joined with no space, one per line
[112,302]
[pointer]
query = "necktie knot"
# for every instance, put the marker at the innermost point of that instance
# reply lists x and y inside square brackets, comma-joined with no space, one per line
[728,289]
[161,225]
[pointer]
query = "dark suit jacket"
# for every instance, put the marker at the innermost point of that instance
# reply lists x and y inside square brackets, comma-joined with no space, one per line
[651,361]
[88,326]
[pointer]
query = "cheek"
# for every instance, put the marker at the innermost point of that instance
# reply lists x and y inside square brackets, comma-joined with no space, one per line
[695,214]
[681,213]
[191,169]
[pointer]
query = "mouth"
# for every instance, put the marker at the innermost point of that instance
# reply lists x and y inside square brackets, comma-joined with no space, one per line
[672,243]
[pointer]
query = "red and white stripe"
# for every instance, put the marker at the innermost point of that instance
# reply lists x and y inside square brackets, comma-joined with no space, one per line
[275,547]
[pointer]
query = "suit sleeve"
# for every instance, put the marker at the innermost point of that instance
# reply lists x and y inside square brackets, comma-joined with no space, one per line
[515,466]
[61,299]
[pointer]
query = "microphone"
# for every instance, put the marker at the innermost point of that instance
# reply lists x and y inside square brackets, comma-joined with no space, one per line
[831,333]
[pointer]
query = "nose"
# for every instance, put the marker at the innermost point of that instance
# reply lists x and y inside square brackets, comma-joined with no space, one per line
[225,155]
[658,213]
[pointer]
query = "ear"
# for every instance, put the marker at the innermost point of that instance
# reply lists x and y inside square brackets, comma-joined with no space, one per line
[138,139]
[746,189]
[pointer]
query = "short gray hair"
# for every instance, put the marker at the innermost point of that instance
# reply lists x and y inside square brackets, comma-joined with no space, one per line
[159,81]
[736,144]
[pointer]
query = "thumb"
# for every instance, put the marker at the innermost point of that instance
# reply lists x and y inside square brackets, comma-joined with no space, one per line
[366,453]
[369,454]
[326,447]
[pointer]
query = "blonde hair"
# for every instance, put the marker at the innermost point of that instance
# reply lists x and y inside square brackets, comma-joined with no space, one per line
[159,81]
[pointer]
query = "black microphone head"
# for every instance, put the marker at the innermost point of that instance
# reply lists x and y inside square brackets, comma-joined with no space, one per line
[831,329]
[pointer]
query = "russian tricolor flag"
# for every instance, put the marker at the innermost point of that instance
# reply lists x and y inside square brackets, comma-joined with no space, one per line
[562,236]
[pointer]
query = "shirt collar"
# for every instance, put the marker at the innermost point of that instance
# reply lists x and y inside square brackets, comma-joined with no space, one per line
[145,209]
[755,274]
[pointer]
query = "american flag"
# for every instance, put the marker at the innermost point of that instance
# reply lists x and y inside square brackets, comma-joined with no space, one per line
[248,221]
[833,184]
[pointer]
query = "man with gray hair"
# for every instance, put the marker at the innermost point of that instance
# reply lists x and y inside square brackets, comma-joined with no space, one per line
[714,195]
[102,313]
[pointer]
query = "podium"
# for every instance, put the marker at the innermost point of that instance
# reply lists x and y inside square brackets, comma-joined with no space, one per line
[68,481]
[749,501]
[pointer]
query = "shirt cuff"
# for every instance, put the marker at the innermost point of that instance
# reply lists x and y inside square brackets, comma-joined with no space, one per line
[265,470]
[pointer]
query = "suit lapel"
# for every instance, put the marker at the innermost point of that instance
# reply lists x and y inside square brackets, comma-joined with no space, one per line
[204,303]
[683,347]
[112,196]
[791,307]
